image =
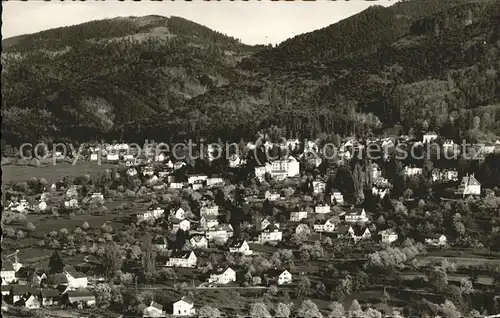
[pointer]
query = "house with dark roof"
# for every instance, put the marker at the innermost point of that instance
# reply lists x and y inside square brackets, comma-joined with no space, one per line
[154,310]
[469,186]
[182,259]
[21,291]
[278,276]
[356,215]
[183,307]
[271,233]
[80,298]
[240,246]
[49,297]
[198,241]
[8,272]
[222,276]
[76,280]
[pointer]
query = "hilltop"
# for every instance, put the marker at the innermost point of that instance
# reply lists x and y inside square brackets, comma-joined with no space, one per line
[169,78]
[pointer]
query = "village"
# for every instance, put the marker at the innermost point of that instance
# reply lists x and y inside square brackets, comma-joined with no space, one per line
[233,233]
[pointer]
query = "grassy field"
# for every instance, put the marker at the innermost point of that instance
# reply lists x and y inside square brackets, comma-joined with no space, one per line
[16,173]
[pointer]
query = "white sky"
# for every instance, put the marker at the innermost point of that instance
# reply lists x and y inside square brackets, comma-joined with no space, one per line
[254,22]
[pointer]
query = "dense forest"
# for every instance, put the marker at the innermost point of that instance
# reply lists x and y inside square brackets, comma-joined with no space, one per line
[414,66]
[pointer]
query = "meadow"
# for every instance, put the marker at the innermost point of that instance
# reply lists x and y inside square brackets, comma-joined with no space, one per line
[51,173]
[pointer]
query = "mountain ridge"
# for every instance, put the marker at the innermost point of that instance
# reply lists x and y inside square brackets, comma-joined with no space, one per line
[200,83]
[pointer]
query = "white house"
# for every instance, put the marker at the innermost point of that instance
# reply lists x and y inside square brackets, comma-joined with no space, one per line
[72,192]
[97,196]
[319,187]
[208,221]
[180,213]
[182,259]
[30,301]
[198,241]
[489,148]
[281,169]
[183,307]
[322,209]
[266,222]
[177,224]
[8,273]
[214,181]
[356,215]
[379,192]
[155,212]
[284,278]
[176,185]
[270,234]
[76,280]
[235,161]
[280,276]
[375,171]
[444,175]
[198,185]
[271,196]
[154,310]
[220,233]
[71,204]
[81,298]
[222,276]
[412,171]
[324,226]
[131,171]
[336,197]
[297,216]
[211,209]
[388,236]
[21,206]
[430,136]
[112,157]
[240,246]
[439,241]
[359,233]
[469,186]
[160,157]
[194,178]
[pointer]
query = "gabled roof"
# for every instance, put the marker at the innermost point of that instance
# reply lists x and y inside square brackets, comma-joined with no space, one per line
[7,266]
[271,228]
[275,272]
[85,294]
[387,232]
[180,254]
[177,221]
[156,305]
[222,269]
[470,180]
[49,293]
[198,237]
[187,300]
[18,290]
[73,272]
[237,243]
[359,230]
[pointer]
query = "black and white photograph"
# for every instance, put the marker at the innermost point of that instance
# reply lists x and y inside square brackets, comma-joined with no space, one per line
[292,159]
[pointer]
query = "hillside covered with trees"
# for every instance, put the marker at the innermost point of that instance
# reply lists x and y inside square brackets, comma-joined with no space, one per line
[415,65]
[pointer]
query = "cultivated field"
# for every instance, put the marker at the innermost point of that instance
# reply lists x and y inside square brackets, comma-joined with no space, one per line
[51,173]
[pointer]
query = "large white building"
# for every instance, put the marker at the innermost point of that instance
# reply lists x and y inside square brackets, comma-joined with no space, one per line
[279,169]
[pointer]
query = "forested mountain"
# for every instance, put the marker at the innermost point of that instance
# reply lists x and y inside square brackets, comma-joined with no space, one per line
[416,65]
